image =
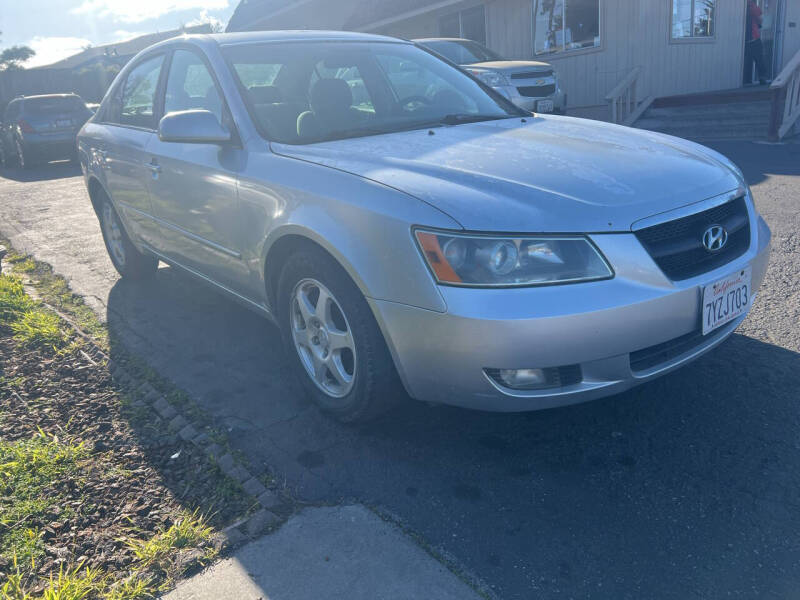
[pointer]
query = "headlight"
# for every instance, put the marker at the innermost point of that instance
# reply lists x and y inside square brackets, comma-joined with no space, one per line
[488,261]
[491,78]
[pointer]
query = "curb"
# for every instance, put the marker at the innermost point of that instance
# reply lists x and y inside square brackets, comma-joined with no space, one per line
[148,397]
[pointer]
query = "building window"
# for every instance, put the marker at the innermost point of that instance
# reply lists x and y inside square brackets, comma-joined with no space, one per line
[469,24]
[693,18]
[563,25]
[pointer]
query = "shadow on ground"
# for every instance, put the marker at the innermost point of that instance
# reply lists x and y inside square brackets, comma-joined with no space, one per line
[760,160]
[44,172]
[684,487]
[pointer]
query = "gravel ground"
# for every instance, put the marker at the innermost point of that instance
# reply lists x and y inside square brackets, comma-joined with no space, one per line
[685,487]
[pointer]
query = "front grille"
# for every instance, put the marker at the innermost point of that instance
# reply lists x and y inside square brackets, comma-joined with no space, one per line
[677,246]
[647,358]
[536,91]
[531,75]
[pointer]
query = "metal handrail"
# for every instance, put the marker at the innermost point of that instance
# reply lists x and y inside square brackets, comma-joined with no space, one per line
[785,90]
[623,98]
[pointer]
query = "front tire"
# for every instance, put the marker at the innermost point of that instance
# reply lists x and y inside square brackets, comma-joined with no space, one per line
[127,260]
[333,341]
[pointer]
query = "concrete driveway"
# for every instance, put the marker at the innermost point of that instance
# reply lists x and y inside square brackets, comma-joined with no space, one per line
[686,487]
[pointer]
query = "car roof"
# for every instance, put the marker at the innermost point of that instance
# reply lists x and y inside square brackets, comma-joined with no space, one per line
[299,36]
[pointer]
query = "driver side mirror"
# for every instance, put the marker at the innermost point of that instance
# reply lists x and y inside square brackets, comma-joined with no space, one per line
[192,127]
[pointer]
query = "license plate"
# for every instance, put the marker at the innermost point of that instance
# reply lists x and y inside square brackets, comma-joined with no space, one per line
[544,106]
[726,299]
[63,123]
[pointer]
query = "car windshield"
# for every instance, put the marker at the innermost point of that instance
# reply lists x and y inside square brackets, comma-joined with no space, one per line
[53,104]
[301,93]
[462,52]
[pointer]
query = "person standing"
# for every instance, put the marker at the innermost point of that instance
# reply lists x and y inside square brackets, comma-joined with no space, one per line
[753,48]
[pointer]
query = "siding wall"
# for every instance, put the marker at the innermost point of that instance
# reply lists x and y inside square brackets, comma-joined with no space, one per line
[791,35]
[634,33]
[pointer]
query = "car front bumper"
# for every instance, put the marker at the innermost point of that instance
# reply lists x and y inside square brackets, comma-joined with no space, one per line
[530,103]
[442,357]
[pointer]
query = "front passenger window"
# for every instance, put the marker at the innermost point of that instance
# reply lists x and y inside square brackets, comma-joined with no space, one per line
[139,94]
[190,86]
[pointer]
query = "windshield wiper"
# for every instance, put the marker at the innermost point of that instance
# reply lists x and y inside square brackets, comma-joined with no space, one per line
[459,118]
[452,119]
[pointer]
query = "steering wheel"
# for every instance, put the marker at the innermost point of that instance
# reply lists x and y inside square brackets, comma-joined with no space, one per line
[408,100]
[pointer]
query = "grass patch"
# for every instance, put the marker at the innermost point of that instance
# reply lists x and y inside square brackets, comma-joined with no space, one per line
[31,473]
[76,583]
[54,290]
[37,328]
[187,532]
[14,302]
[32,325]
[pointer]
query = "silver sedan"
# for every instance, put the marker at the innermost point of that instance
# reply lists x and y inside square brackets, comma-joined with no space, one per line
[408,228]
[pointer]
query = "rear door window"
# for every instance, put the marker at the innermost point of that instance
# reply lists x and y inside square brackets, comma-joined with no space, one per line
[138,98]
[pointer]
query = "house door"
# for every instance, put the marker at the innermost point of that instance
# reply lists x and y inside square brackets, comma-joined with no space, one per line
[771,36]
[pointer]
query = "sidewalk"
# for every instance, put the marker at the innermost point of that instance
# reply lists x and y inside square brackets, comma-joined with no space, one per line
[330,552]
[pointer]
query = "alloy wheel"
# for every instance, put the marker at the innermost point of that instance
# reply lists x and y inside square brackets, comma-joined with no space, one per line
[323,338]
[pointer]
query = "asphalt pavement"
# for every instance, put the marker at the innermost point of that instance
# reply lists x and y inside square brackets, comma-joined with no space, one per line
[688,486]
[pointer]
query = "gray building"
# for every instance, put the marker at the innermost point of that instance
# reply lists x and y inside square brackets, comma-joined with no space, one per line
[658,47]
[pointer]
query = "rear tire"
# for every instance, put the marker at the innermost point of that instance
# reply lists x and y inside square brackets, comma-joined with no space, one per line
[337,350]
[127,260]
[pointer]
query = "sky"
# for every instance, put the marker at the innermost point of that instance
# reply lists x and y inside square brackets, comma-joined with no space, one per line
[56,29]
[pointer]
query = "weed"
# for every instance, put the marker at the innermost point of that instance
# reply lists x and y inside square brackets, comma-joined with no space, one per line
[25,265]
[14,302]
[32,325]
[37,328]
[188,532]
[133,588]
[12,382]
[31,472]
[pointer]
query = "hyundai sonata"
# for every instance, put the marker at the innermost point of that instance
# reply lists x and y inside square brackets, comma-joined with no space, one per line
[410,228]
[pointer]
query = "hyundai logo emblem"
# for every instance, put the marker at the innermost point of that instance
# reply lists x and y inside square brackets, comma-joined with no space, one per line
[715,238]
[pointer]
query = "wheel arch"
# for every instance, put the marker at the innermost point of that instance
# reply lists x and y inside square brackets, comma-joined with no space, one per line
[293,239]
[96,193]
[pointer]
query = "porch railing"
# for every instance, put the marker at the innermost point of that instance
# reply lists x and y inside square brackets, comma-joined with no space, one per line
[785,100]
[625,104]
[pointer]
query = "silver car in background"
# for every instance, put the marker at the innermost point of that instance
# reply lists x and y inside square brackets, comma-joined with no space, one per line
[409,228]
[532,85]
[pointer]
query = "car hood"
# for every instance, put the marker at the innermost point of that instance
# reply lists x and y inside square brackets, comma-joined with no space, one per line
[549,174]
[512,65]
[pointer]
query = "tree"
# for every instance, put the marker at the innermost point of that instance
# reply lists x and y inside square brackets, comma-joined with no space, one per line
[13,57]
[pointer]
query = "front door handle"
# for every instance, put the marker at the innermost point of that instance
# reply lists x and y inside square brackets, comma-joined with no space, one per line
[154,167]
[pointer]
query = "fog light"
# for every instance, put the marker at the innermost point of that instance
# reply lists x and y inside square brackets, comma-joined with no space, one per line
[536,379]
[521,379]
